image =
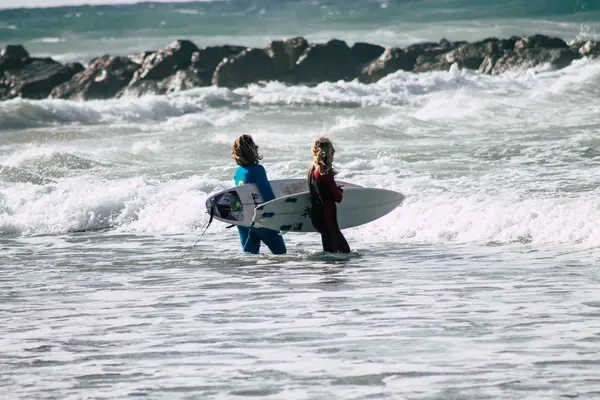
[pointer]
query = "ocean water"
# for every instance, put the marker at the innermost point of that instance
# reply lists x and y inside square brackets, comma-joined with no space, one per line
[484,284]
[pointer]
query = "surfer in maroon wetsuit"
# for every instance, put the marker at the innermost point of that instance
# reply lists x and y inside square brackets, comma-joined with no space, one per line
[324,193]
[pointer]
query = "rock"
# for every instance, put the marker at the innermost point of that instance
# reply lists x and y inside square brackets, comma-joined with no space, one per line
[533,57]
[14,50]
[365,52]
[141,88]
[158,67]
[182,80]
[540,41]
[285,53]
[12,57]
[392,60]
[103,78]
[487,65]
[164,63]
[427,55]
[250,66]
[37,78]
[497,48]
[9,63]
[329,62]
[204,61]
[139,58]
[472,55]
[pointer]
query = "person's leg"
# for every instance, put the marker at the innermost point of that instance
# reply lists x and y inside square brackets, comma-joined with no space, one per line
[342,244]
[328,246]
[249,239]
[273,240]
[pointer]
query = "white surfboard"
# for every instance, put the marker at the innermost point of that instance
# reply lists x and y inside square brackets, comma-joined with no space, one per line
[236,205]
[359,205]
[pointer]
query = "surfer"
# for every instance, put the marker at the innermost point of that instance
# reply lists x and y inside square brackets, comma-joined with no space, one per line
[324,193]
[245,154]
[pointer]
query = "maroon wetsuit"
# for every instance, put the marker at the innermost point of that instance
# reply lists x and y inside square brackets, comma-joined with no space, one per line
[324,194]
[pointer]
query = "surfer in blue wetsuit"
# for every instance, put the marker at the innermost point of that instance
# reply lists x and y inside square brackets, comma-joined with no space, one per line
[324,193]
[245,154]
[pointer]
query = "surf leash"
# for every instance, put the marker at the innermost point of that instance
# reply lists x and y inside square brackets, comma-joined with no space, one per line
[212,214]
[248,238]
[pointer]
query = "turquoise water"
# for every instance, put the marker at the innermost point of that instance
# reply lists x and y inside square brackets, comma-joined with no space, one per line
[79,33]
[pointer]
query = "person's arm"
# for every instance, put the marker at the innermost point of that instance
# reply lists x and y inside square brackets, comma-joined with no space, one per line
[262,182]
[336,192]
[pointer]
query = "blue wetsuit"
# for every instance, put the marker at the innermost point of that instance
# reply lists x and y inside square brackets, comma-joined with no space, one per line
[251,238]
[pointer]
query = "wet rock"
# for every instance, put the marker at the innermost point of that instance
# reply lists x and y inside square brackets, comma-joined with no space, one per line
[527,58]
[529,52]
[250,66]
[103,79]
[540,41]
[180,66]
[427,55]
[285,53]
[392,60]
[329,62]
[472,55]
[173,58]
[139,58]
[204,61]
[14,50]
[12,57]
[496,50]
[37,77]
[366,52]
[159,66]
[182,80]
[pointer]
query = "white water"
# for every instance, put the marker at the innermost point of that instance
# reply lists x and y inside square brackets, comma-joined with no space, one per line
[482,285]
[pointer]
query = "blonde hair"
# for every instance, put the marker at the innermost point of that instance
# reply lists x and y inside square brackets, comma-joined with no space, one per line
[323,151]
[245,151]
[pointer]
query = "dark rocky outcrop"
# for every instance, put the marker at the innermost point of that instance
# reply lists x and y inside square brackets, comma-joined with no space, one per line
[164,63]
[539,41]
[139,58]
[159,66]
[14,50]
[12,57]
[183,80]
[329,62]
[392,60]
[205,60]
[179,66]
[250,66]
[36,78]
[182,65]
[284,55]
[366,52]
[533,57]
[429,56]
[102,79]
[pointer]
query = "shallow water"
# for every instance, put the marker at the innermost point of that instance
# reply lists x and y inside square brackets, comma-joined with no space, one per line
[390,321]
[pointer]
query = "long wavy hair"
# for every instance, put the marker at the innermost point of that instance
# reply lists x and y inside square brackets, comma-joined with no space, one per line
[323,151]
[245,151]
